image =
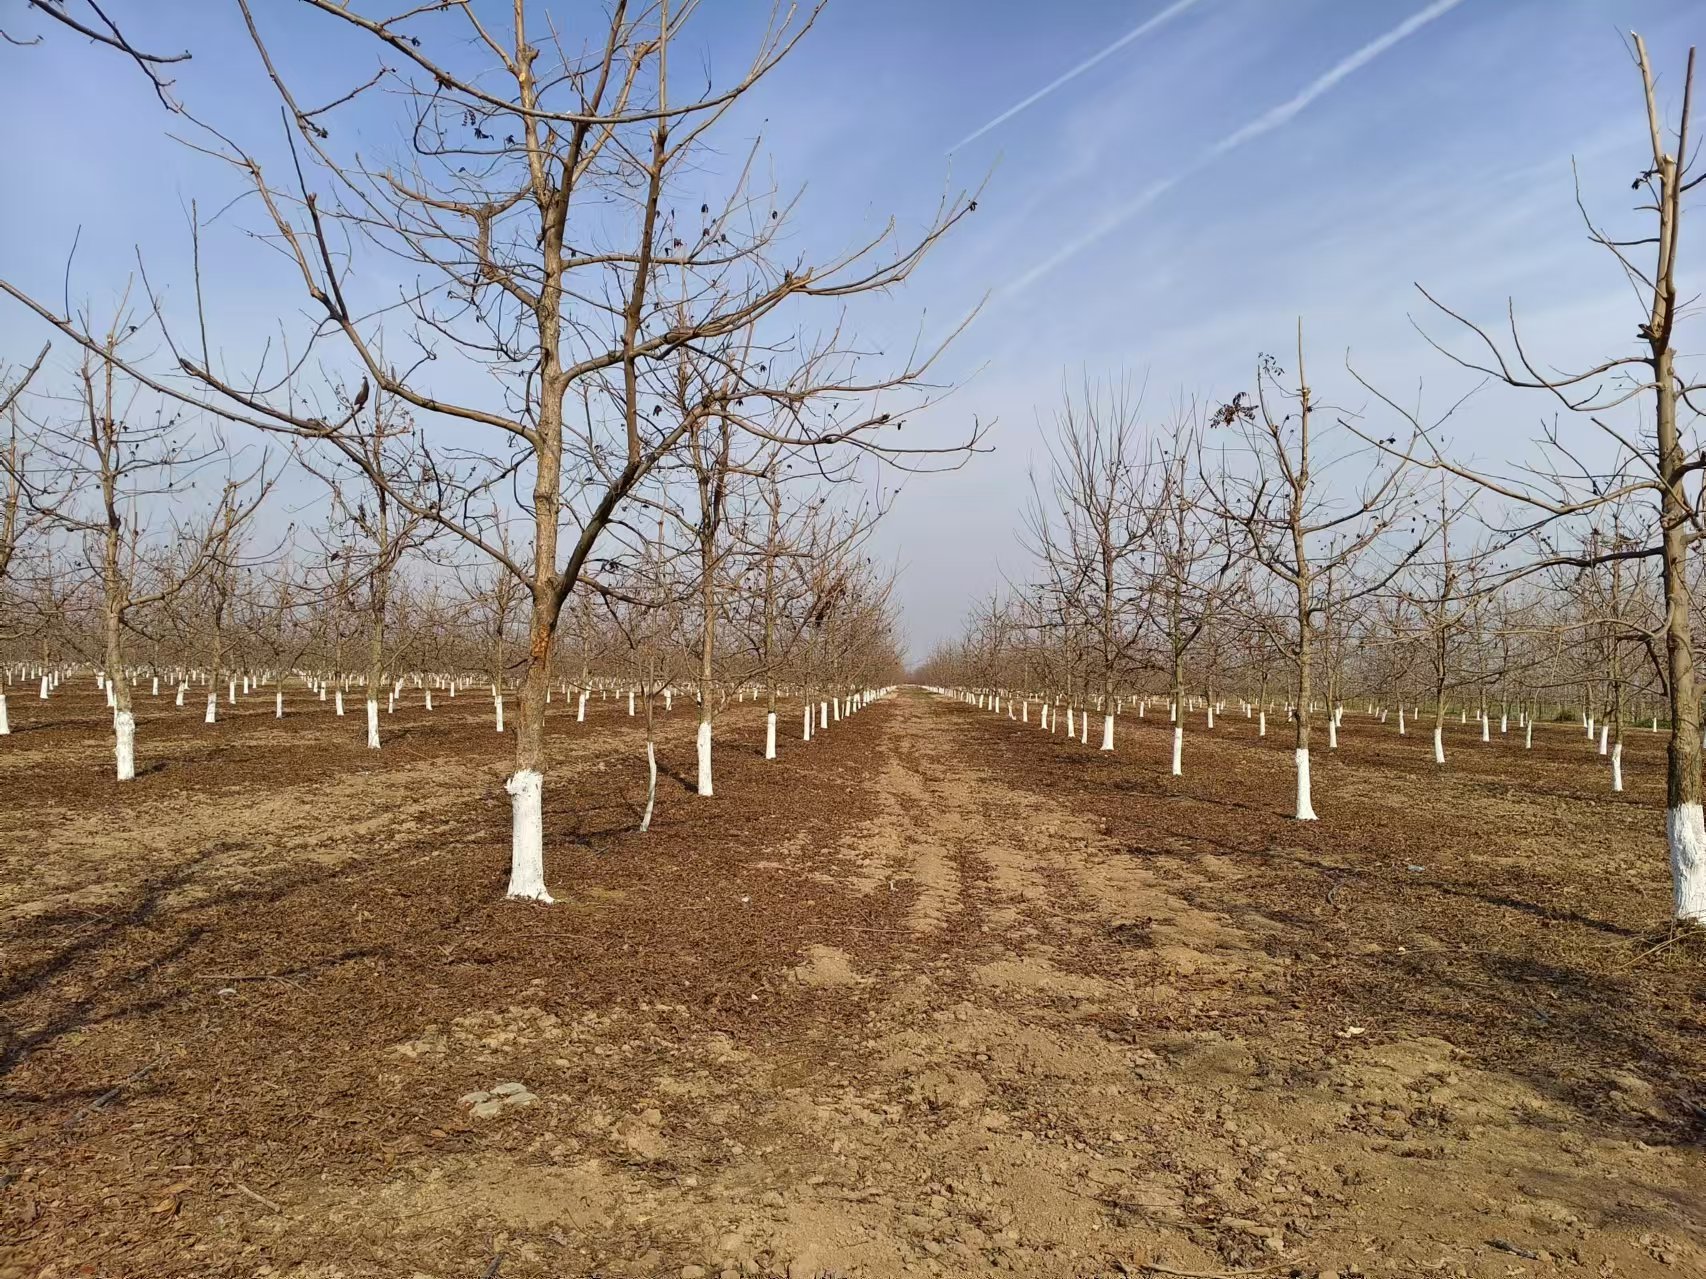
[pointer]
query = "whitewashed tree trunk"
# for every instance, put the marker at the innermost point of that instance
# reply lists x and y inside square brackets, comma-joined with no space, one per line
[5,722]
[1070,727]
[44,688]
[1528,735]
[1604,734]
[823,714]
[1685,831]
[278,703]
[651,786]
[631,701]
[1617,767]
[527,835]
[1486,729]
[1332,733]
[1084,729]
[182,689]
[580,708]
[770,735]
[1025,711]
[1262,723]
[1439,744]
[212,715]
[429,699]
[372,724]
[1178,750]
[338,706]
[1305,804]
[156,689]
[1107,732]
[498,709]
[806,731]
[1401,730]
[704,747]
[124,735]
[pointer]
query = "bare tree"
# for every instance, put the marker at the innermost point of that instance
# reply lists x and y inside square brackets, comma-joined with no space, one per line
[1299,530]
[1656,468]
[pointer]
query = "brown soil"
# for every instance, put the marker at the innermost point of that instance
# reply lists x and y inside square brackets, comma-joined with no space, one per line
[934,994]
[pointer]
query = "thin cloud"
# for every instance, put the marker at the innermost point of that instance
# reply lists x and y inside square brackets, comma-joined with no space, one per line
[1264,124]
[1171,11]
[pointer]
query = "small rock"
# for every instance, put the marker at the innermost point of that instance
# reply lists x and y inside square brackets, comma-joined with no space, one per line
[508,1090]
[994,1120]
[652,1116]
[486,1109]
[472,1098]
[693,1272]
[520,1099]
[771,1199]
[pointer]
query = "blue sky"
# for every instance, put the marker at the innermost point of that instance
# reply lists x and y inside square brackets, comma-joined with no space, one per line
[1129,225]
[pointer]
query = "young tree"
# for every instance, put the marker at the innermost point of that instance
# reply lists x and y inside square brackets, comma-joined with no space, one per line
[1655,464]
[1298,529]
[536,209]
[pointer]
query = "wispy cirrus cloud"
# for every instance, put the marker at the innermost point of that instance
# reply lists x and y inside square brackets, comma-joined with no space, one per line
[1267,122]
[1136,33]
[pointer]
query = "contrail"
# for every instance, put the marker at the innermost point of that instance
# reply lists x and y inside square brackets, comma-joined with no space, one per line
[1172,10]
[1266,123]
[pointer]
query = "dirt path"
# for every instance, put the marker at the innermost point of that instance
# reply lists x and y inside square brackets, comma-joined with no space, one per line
[909,1005]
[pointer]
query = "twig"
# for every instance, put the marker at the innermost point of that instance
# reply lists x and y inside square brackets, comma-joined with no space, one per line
[260,1199]
[492,1270]
[112,1092]
[1505,1245]
[251,977]
[1150,1267]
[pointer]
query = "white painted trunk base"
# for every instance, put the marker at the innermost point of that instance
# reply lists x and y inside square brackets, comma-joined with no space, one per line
[124,734]
[5,722]
[182,689]
[372,725]
[498,708]
[1685,831]
[1107,732]
[1305,804]
[212,715]
[1262,724]
[1178,750]
[651,786]
[704,749]
[1439,744]
[338,705]
[278,703]
[527,836]
[1617,767]
[1604,733]
[770,735]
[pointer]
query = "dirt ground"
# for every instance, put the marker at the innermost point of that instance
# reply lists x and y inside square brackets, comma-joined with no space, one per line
[936,994]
